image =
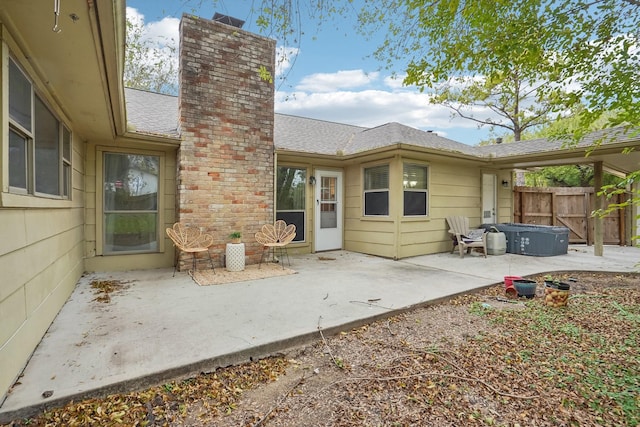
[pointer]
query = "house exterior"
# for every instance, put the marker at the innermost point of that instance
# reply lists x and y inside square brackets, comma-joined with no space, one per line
[92,173]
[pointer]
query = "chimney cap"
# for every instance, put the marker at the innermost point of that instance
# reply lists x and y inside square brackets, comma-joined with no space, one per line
[225,19]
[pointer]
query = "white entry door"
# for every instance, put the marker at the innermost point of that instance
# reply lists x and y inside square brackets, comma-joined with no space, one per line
[489,198]
[328,210]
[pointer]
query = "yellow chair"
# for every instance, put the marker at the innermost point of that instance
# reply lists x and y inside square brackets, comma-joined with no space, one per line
[190,240]
[464,238]
[275,238]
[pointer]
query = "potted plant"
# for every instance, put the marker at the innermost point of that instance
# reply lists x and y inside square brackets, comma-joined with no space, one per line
[235,237]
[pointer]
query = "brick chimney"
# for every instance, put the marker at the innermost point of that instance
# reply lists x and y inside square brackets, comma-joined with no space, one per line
[226,158]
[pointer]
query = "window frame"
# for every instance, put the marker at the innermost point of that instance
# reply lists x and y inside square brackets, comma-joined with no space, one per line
[62,135]
[285,214]
[406,190]
[102,211]
[377,190]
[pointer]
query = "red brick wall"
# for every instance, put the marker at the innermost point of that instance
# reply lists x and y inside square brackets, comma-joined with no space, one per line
[226,158]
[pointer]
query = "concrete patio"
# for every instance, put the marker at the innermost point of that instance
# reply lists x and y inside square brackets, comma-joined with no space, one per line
[161,327]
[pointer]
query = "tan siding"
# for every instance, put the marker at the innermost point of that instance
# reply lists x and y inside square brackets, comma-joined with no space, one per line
[375,236]
[385,251]
[39,272]
[12,230]
[454,189]
[15,352]
[12,314]
[38,289]
[505,198]
[14,271]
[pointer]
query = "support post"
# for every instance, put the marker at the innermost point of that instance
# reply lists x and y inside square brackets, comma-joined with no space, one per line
[598,229]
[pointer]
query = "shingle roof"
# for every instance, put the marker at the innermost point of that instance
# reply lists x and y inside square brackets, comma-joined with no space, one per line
[152,113]
[396,133]
[322,137]
[544,145]
[157,114]
[312,136]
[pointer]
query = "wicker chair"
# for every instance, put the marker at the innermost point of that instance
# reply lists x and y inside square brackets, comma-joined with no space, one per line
[275,238]
[190,240]
[464,238]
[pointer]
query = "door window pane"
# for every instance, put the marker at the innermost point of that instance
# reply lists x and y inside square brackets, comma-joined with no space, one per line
[328,215]
[328,202]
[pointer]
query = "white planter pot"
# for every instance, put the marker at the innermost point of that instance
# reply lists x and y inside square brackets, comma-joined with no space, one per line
[235,257]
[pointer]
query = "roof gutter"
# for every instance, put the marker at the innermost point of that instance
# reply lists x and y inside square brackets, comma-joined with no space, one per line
[109,17]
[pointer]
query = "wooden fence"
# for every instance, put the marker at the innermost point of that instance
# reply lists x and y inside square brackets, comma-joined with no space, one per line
[569,207]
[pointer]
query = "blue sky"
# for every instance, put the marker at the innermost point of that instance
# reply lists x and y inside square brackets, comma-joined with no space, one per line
[330,75]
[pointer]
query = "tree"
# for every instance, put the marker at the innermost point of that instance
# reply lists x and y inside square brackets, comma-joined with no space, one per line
[528,61]
[516,105]
[569,53]
[148,64]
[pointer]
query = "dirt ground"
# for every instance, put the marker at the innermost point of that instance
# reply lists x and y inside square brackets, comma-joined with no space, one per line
[330,383]
[443,365]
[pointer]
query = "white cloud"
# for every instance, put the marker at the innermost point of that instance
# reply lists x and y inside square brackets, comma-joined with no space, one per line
[285,57]
[160,33]
[164,31]
[344,79]
[371,108]
[395,82]
[323,96]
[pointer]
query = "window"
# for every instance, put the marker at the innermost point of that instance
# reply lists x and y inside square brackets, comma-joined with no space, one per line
[290,198]
[130,203]
[414,183]
[39,144]
[376,190]
[328,202]
[47,150]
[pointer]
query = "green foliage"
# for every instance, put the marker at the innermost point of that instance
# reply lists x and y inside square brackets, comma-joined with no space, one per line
[149,66]
[566,176]
[265,74]
[629,198]
[519,105]
[564,53]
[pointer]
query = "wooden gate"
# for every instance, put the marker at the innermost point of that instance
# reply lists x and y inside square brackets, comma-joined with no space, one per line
[569,207]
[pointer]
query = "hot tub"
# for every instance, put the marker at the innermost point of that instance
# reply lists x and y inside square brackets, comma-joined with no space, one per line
[535,240]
